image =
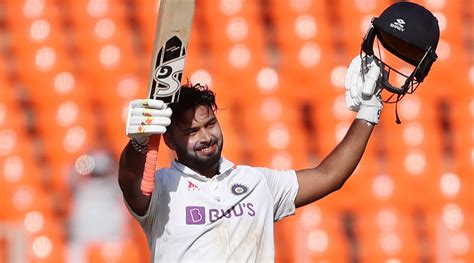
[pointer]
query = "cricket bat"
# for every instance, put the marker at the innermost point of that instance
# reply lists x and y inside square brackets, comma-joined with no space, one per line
[169,54]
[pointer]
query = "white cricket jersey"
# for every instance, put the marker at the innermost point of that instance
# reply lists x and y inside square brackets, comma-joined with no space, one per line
[228,218]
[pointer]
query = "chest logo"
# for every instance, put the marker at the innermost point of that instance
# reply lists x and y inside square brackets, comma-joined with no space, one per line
[192,187]
[239,189]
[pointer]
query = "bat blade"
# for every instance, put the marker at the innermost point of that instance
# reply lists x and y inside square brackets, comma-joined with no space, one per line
[169,54]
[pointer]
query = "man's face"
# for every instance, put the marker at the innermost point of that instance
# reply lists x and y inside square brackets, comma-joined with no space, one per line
[197,139]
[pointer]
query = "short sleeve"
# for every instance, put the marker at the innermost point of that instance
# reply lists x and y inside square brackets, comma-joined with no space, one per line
[283,186]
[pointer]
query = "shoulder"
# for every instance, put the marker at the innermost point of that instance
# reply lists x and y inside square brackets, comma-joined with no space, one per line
[257,170]
[250,170]
[168,176]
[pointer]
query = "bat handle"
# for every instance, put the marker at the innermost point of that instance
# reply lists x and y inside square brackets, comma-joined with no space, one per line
[148,180]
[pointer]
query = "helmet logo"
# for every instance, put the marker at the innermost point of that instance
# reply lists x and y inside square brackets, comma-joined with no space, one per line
[398,25]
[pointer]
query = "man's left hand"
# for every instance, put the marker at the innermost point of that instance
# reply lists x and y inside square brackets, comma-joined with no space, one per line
[363,90]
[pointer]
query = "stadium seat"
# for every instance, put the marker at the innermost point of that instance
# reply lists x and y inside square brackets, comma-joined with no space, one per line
[299,30]
[102,37]
[48,243]
[113,252]
[449,186]
[319,235]
[278,134]
[352,20]
[449,233]
[268,62]
[146,15]
[414,149]
[386,234]
[462,119]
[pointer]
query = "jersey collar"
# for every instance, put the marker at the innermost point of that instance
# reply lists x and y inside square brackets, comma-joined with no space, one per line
[224,166]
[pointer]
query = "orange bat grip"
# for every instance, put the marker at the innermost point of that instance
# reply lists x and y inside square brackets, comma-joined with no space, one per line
[148,180]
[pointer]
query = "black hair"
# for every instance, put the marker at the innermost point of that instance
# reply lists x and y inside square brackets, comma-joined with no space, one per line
[190,97]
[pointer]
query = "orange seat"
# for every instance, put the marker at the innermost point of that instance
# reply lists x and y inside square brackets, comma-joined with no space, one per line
[117,252]
[462,123]
[279,11]
[385,234]
[48,242]
[449,233]
[414,150]
[352,19]
[449,186]
[237,27]
[31,33]
[278,139]
[146,15]
[314,234]
[103,39]
[237,85]
[41,66]
[24,198]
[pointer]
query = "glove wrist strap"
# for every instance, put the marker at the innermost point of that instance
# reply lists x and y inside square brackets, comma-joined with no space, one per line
[141,147]
[370,114]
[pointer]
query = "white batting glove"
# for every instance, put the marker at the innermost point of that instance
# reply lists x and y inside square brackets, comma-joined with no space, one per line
[147,117]
[363,90]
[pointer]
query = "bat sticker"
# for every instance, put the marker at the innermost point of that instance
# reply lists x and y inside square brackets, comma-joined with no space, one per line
[168,77]
[169,70]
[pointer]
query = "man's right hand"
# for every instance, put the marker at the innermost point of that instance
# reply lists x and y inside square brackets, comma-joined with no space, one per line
[145,118]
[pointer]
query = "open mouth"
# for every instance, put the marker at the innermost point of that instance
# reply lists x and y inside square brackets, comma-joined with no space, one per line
[209,149]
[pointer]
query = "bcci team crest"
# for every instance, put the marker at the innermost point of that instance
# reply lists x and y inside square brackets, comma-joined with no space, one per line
[239,189]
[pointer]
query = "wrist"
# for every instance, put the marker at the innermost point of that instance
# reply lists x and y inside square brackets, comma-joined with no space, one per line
[370,114]
[140,145]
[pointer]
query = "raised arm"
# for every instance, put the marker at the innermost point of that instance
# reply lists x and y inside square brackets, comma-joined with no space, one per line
[145,118]
[363,97]
[131,168]
[336,168]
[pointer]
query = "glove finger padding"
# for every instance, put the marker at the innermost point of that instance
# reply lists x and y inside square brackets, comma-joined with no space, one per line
[138,120]
[147,112]
[147,117]
[370,81]
[148,104]
[140,131]
[353,84]
[350,102]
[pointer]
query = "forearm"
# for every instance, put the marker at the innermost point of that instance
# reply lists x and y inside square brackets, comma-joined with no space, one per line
[132,164]
[131,168]
[336,168]
[343,160]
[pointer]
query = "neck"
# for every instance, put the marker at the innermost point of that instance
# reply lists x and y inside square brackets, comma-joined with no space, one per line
[208,171]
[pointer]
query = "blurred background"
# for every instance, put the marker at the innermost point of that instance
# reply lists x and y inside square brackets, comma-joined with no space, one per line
[69,68]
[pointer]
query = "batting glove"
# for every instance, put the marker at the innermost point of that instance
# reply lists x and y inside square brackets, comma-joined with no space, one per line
[147,117]
[363,89]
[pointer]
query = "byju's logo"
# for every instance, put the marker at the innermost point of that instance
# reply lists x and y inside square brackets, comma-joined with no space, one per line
[195,215]
[398,25]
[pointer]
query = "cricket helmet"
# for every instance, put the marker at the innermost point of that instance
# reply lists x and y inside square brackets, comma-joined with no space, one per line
[411,33]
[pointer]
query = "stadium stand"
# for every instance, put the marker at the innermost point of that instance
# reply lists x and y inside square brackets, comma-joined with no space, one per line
[69,68]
